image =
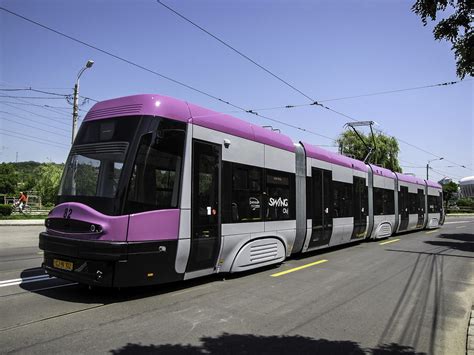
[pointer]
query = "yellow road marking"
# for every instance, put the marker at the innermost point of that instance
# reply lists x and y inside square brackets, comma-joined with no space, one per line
[434,231]
[389,241]
[460,227]
[298,268]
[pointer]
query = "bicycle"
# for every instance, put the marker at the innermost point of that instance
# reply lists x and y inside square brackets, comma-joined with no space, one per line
[26,210]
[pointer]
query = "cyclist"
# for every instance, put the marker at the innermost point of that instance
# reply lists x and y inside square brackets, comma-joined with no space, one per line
[22,201]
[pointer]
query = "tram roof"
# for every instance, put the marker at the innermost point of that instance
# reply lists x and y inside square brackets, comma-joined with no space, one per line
[164,106]
[378,170]
[334,158]
[410,178]
[433,184]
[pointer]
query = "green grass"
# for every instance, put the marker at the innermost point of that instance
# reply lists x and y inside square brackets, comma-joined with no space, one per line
[22,216]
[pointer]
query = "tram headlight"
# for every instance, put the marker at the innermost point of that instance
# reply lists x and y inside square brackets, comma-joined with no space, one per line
[95,228]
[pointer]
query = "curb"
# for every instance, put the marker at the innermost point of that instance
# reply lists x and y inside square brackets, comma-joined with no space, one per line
[470,335]
[21,222]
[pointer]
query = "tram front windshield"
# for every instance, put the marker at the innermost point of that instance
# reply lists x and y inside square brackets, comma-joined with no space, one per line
[94,167]
[125,165]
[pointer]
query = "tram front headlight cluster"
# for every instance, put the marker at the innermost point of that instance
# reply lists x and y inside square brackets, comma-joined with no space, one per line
[96,228]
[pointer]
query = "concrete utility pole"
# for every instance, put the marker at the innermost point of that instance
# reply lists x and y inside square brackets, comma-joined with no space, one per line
[75,106]
[428,167]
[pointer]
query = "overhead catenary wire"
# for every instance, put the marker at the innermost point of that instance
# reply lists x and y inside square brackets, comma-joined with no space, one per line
[39,115]
[35,90]
[433,154]
[30,140]
[236,50]
[6,83]
[292,106]
[316,103]
[436,170]
[158,74]
[46,107]
[292,126]
[286,82]
[448,83]
[33,137]
[119,57]
[444,173]
[32,97]
[46,93]
[36,105]
[30,120]
[37,128]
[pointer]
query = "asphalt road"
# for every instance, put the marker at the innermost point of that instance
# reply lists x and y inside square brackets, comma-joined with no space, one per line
[408,294]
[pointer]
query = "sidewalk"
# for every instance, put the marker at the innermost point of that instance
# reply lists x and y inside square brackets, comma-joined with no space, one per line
[21,222]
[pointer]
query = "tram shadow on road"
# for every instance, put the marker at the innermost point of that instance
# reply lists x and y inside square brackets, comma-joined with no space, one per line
[77,293]
[258,344]
[462,242]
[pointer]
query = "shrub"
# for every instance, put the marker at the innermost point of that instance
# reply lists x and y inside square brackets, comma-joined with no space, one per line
[465,202]
[5,210]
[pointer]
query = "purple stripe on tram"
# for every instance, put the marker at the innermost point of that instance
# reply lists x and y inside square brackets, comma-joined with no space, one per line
[154,225]
[114,228]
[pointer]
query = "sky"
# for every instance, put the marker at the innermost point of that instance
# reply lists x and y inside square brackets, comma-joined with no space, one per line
[325,49]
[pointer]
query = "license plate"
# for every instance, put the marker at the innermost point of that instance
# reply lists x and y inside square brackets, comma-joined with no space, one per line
[63,265]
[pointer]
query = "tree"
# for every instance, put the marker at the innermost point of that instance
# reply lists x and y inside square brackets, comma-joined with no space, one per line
[49,178]
[455,28]
[385,155]
[466,202]
[8,179]
[449,190]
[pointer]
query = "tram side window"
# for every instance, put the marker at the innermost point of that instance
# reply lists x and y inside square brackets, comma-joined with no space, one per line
[156,174]
[342,199]
[413,208]
[384,203]
[432,204]
[280,196]
[246,201]
[252,194]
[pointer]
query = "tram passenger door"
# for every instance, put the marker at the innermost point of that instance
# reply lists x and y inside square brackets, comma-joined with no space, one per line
[403,208]
[421,208]
[322,211]
[360,195]
[205,202]
[442,212]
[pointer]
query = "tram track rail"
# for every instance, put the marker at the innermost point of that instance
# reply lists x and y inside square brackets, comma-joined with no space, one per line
[36,321]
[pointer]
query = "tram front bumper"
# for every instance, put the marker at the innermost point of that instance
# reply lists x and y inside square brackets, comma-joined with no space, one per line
[109,264]
[85,261]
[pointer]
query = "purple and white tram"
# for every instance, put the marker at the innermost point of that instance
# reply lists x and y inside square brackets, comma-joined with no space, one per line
[157,190]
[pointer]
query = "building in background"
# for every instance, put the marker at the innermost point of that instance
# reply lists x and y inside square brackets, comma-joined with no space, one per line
[467,186]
